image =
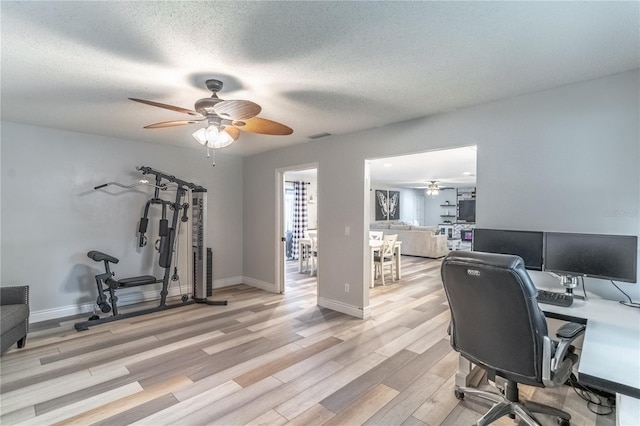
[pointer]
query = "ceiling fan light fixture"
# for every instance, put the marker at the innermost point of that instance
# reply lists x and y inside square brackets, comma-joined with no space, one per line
[211,133]
[211,137]
[432,189]
[221,140]
[200,136]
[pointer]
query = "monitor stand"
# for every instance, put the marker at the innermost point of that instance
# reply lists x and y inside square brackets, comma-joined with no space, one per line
[570,282]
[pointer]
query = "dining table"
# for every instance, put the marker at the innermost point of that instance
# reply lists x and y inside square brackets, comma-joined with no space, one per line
[375,245]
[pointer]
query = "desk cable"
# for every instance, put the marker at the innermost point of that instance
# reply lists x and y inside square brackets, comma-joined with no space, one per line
[584,290]
[600,405]
[624,302]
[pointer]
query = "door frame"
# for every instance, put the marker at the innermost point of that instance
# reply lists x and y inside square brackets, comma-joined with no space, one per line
[280,244]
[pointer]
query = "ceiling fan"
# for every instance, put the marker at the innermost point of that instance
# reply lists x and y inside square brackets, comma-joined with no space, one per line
[433,189]
[225,119]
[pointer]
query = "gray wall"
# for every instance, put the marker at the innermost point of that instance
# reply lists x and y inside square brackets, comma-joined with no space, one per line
[563,159]
[560,160]
[51,216]
[432,209]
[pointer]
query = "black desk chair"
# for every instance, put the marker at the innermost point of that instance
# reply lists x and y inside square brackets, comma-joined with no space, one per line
[497,324]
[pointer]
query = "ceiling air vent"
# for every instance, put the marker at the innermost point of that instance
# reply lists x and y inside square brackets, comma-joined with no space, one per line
[320,135]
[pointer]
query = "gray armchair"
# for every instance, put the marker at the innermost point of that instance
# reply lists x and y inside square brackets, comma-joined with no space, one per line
[14,316]
[497,324]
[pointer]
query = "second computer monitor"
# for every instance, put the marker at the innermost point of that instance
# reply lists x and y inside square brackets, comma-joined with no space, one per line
[611,257]
[526,244]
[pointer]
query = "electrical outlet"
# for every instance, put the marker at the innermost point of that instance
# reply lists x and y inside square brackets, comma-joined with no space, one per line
[346,287]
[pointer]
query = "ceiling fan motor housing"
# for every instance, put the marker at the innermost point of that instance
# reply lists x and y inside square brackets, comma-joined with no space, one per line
[205,105]
[214,85]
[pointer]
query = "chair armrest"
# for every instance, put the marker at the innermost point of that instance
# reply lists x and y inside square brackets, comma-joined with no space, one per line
[555,363]
[566,335]
[18,295]
[570,330]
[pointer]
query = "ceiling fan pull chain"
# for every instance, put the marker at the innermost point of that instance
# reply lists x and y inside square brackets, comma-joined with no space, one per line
[213,156]
[208,152]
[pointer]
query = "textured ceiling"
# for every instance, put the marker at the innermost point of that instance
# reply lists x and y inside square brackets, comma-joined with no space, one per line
[314,66]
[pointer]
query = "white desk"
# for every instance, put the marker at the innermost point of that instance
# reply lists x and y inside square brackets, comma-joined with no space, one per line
[610,357]
[375,245]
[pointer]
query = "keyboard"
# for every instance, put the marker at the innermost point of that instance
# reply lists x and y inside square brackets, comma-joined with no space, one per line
[554,298]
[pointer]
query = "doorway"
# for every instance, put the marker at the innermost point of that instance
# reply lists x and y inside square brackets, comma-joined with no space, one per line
[297,222]
[427,185]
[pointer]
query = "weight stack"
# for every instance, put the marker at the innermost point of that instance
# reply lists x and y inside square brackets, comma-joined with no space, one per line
[209,272]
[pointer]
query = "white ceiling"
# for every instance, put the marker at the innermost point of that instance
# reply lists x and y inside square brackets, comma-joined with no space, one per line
[334,67]
[450,167]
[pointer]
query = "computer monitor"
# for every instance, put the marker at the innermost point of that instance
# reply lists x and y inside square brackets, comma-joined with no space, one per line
[526,244]
[611,257]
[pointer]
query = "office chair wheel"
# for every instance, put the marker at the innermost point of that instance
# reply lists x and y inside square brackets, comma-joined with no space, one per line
[460,395]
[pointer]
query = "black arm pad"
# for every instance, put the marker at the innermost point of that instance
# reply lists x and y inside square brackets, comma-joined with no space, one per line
[166,249]
[99,256]
[570,330]
[143,225]
[164,228]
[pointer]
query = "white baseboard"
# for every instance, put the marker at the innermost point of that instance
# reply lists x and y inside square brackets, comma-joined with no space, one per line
[124,299]
[138,297]
[263,285]
[226,282]
[354,311]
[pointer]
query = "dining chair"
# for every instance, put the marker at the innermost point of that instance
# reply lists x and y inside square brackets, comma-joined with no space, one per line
[376,235]
[386,256]
[313,252]
[306,248]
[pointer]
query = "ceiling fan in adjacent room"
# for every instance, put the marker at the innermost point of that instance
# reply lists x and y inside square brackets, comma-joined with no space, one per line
[433,189]
[224,118]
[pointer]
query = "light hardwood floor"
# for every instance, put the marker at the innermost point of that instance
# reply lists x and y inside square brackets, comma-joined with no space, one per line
[265,359]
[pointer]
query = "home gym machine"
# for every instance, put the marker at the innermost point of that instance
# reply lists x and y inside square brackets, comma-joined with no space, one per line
[165,245]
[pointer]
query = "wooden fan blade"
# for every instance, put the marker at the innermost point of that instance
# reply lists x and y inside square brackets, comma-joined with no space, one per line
[171,124]
[237,109]
[166,106]
[263,126]
[233,132]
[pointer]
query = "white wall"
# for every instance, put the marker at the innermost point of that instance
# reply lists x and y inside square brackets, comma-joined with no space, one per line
[561,159]
[51,216]
[312,210]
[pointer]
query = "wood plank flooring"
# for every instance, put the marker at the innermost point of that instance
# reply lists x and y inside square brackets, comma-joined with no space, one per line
[265,359]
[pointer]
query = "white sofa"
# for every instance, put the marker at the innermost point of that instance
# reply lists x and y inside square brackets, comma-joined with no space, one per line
[416,240]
